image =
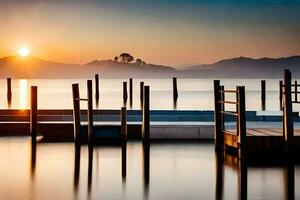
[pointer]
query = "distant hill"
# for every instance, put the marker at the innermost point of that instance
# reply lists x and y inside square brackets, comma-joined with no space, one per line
[242,67]
[30,67]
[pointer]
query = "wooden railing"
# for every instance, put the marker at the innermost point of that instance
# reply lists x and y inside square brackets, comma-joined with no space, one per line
[221,112]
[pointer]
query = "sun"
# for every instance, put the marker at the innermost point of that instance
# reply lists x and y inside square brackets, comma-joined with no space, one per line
[24,51]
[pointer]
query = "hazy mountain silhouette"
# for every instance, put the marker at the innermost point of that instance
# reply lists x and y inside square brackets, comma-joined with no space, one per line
[242,67]
[247,68]
[30,67]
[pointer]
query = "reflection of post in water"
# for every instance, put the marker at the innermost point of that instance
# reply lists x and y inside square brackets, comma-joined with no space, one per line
[33,159]
[90,169]
[146,161]
[77,166]
[219,175]
[124,158]
[289,179]
[243,177]
[146,166]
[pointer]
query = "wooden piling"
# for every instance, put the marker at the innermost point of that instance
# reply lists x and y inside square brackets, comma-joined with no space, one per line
[123,125]
[141,92]
[9,92]
[125,95]
[146,115]
[296,91]
[288,110]
[222,107]
[242,122]
[33,114]
[218,123]
[263,94]
[90,113]
[280,94]
[76,114]
[130,91]
[175,91]
[97,87]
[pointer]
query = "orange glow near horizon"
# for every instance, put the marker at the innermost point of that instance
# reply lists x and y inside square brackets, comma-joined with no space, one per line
[161,34]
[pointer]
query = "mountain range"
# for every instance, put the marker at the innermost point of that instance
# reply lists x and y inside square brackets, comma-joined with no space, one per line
[241,67]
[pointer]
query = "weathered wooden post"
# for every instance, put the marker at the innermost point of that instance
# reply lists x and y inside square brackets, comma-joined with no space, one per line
[76,114]
[263,94]
[296,91]
[175,91]
[90,131]
[125,95]
[288,111]
[141,92]
[242,132]
[146,115]
[130,91]
[90,113]
[123,125]
[124,139]
[222,106]
[218,121]
[97,87]
[280,94]
[9,93]
[33,114]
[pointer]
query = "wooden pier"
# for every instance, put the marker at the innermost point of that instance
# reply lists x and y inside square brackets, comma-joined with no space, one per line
[254,141]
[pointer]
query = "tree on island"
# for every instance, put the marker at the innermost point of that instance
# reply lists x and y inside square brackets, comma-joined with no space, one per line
[116,59]
[139,61]
[126,58]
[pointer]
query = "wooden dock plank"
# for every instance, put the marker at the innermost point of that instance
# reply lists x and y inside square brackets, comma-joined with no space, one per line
[268,132]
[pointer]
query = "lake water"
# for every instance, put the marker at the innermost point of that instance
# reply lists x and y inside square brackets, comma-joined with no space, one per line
[176,171]
[194,94]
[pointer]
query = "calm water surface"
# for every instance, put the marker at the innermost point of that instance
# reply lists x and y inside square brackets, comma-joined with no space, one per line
[176,171]
[194,94]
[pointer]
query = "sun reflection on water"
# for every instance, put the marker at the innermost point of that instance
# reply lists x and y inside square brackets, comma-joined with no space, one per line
[23,93]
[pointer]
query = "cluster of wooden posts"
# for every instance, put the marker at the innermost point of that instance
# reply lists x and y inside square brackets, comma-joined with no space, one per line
[240,137]
[145,102]
[144,99]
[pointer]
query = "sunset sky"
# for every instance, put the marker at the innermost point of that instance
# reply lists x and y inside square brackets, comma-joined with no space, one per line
[170,32]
